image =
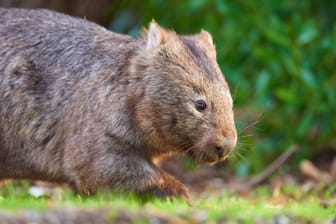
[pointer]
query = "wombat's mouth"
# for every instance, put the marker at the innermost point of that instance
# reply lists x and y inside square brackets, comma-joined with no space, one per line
[206,158]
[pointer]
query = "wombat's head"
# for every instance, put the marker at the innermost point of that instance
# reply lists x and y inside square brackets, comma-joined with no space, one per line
[186,105]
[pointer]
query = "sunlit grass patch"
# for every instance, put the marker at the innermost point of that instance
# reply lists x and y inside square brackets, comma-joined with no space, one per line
[14,199]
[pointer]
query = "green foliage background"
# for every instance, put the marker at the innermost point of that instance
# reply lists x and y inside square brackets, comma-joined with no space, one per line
[278,57]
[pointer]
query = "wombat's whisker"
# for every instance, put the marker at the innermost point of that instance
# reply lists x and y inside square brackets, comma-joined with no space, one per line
[246,136]
[247,126]
[183,147]
[236,157]
[190,149]
[234,95]
[241,144]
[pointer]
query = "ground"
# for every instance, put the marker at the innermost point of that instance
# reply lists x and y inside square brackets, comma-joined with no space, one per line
[218,197]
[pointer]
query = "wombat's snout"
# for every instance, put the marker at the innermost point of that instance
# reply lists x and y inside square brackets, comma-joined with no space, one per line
[215,147]
[226,145]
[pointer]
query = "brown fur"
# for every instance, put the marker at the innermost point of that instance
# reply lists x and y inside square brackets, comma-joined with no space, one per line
[83,105]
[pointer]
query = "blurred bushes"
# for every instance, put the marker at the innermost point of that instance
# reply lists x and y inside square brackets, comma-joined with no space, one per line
[278,56]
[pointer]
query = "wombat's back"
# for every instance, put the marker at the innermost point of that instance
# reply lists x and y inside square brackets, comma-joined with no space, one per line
[46,60]
[56,41]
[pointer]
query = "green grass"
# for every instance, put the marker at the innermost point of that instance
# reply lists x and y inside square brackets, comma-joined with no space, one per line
[15,199]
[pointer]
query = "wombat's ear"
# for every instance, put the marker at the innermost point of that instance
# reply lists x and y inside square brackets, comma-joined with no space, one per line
[205,35]
[155,36]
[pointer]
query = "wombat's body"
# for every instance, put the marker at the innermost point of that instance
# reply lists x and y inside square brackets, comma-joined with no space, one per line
[83,105]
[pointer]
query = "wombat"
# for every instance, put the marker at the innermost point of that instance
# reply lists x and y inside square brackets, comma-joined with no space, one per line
[86,106]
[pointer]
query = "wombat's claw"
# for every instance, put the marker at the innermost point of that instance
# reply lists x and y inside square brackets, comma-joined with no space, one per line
[169,187]
[170,192]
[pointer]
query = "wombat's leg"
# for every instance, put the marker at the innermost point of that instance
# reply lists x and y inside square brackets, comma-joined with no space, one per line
[144,177]
[147,178]
[127,172]
[168,187]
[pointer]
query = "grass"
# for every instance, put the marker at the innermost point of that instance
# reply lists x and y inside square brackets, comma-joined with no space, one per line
[15,199]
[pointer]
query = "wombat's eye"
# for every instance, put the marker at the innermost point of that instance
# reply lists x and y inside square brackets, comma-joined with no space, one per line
[200,105]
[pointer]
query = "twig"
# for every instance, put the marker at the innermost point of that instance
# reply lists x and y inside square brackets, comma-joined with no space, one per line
[314,173]
[271,168]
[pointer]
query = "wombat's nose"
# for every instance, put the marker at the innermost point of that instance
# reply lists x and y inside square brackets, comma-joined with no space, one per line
[220,151]
[225,146]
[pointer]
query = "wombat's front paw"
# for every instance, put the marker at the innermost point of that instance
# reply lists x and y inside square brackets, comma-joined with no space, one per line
[169,187]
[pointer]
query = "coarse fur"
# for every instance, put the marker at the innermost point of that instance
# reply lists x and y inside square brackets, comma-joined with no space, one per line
[86,106]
